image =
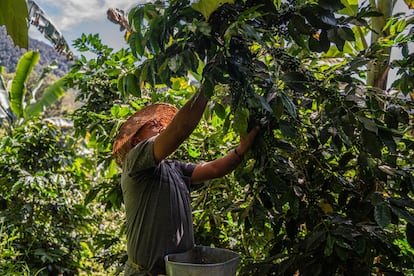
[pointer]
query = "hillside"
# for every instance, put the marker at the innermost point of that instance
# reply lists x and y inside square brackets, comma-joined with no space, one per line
[10,55]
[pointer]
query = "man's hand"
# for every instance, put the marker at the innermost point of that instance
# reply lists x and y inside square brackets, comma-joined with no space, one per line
[225,164]
[247,142]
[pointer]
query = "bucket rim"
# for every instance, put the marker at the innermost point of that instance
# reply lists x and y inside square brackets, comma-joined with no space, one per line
[235,258]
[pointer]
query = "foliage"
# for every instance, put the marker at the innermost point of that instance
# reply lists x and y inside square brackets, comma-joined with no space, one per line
[332,175]
[8,264]
[41,196]
[13,14]
[101,113]
[44,177]
[16,104]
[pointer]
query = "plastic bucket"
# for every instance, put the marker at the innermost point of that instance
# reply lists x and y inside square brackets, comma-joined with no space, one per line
[202,261]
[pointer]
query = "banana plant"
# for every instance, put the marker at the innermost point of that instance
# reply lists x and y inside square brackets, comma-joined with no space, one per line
[13,14]
[15,102]
[5,111]
[386,30]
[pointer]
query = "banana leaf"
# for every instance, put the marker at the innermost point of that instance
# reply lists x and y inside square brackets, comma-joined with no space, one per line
[41,80]
[18,89]
[51,94]
[13,14]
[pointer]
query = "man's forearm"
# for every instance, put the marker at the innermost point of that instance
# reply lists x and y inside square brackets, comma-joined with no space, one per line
[216,168]
[227,163]
[188,117]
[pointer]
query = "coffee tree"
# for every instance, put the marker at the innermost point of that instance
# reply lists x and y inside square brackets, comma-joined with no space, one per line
[329,190]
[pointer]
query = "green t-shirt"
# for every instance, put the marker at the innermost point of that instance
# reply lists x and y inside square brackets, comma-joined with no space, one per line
[158,209]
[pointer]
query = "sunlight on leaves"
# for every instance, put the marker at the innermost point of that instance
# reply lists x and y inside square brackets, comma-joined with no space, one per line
[207,7]
[410,3]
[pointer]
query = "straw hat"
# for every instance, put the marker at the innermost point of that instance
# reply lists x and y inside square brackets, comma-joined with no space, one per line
[162,112]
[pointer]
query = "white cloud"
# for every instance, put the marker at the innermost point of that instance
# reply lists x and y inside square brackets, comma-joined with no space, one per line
[74,17]
[73,13]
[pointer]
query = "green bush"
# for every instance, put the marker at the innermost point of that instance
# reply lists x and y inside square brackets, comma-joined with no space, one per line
[42,185]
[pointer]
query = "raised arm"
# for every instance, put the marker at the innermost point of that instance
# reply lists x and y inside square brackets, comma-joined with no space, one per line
[183,124]
[226,164]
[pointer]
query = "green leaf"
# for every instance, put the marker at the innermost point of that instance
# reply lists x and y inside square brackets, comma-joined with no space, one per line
[296,35]
[328,19]
[174,63]
[207,7]
[285,146]
[120,111]
[288,104]
[321,44]
[137,43]
[348,156]
[332,5]
[265,105]
[277,108]
[220,110]
[193,151]
[351,6]
[155,34]
[388,139]
[372,143]
[121,84]
[369,124]
[18,89]
[382,215]
[409,232]
[300,24]
[13,14]
[143,71]
[50,96]
[136,39]
[330,242]
[360,246]
[296,81]
[314,240]
[403,214]
[357,63]
[288,130]
[115,198]
[132,85]
[189,61]
[241,120]
[314,45]
[90,196]
[324,41]
[402,202]
[335,38]
[346,33]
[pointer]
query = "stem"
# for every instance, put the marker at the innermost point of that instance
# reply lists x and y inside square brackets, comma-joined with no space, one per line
[378,69]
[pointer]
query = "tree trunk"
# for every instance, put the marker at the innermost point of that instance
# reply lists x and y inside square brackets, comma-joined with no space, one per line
[379,67]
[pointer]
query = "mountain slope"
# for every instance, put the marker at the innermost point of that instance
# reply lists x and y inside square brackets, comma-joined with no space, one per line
[10,55]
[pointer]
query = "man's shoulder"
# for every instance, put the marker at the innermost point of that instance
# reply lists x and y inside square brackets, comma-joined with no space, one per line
[140,157]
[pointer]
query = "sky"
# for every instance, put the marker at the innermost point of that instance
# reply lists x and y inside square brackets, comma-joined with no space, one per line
[74,17]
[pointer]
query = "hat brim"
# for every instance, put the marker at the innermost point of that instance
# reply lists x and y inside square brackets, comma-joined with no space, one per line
[122,145]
